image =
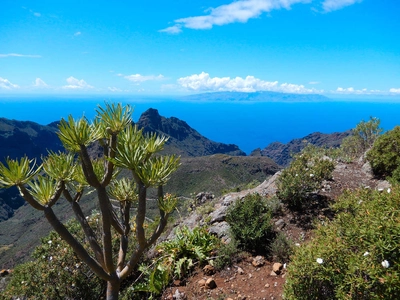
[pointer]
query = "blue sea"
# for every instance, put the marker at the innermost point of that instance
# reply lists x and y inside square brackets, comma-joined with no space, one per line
[248,125]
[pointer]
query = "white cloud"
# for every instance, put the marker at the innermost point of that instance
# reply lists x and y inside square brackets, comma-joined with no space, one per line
[330,5]
[351,90]
[77,33]
[114,89]
[36,14]
[243,10]
[237,11]
[173,29]
[6,84]
[40,83]
[19,55]
[142,78]
[76,84]
[314,82]
[203,82]
[396,91]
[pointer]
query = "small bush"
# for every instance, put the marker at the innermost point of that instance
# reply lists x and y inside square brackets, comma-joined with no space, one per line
[227,254]
[176,257]
[354,256]
[250,222]
[303,176]
[55,273]
[281,248]
[361,139]
[384,156]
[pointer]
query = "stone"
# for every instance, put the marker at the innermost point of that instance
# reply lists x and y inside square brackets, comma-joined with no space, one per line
[273,274]
[280,224]
[277,267]
[258,261]
[4,273]
[220,229]
[209,270]
[179,295]
[210,284]
[240,271]
[201,282]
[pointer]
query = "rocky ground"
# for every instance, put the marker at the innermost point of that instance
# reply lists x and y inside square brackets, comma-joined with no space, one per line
[256,277]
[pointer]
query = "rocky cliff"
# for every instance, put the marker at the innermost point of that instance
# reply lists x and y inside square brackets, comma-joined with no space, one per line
[184,140]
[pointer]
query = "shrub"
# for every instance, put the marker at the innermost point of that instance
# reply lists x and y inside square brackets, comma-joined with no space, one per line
[227,254]
[250,222]
[361,139]
[354,256]
[281,248]
[177,257]
[56,272]
[303,176]
[384,156]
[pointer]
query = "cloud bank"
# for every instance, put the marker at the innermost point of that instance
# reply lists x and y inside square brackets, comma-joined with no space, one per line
[330,5]
[39,83]
[6,84]
[76,84]
[243,10]
[203,82]
[142,78]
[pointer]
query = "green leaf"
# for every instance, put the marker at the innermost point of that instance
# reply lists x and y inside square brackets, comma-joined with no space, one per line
[43,189]
[74,134]
[17,172]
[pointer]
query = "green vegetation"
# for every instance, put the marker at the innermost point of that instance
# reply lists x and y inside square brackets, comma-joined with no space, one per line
[384,155]
[250,222]
[175,259]
[361,139]
[355,256]
[70,174]
[304,176]
[56,272]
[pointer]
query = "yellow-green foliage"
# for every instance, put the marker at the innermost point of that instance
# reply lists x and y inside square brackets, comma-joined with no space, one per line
[355,256]
[384,156]
[303,176]
[362,138]
[55,272]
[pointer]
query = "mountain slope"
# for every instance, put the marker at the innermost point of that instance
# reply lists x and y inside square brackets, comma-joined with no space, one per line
[282,153]
[184,140]
[20,138]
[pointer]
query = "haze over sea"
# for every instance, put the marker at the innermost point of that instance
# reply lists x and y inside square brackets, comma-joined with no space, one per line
[249,125]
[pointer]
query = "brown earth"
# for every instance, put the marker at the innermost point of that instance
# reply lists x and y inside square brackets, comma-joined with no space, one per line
[257,282]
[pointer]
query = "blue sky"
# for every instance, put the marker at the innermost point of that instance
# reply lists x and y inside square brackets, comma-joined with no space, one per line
[332,47]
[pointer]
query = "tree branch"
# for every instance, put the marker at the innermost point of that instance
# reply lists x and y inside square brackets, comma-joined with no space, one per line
[76,246]
[110,165]
[87,168]
[28,198]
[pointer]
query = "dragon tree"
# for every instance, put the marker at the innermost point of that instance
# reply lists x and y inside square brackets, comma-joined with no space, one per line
[66,176]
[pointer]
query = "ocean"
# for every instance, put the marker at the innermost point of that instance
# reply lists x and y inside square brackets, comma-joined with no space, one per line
[248,125]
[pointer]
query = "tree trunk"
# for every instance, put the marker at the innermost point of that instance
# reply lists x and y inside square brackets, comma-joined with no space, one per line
[113,289]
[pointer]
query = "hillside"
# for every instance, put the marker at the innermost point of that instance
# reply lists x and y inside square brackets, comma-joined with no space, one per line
[282,153]
[245,279]
[219,172]
[20,138]
[184,140]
